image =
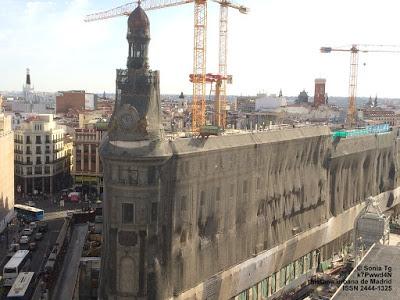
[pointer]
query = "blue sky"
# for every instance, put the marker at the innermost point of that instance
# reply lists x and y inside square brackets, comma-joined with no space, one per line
[275,46]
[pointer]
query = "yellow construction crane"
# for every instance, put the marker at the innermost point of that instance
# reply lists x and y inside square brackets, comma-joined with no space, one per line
[220,94]
[354,51]
[199,48]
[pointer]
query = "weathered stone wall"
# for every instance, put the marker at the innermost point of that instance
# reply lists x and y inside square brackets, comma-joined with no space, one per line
[362,167]
[232,197]
[226,207]
[6,171]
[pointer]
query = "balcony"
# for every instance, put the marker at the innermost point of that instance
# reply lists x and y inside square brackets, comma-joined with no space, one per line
[28,152]
[18,151]
[38,152]
[18,142]
[47,151]
[47,141]
[28,142]
[27,163]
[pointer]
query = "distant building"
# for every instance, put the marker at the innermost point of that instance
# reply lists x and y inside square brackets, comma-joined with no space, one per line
[70,100]
[90,101]
[6,169]
[106,106]
[374,115]
[259,120]
[87,168]
[302,97]
[41,164]
[88,117]
[27,88]
[246,103]
[319,94]
[271,102]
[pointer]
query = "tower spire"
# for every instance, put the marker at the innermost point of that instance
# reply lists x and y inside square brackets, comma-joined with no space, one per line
[28,78]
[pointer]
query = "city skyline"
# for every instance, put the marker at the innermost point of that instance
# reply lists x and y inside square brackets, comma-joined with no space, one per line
[276,46]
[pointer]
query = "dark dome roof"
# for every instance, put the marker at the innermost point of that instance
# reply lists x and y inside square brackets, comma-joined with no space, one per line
[138,20]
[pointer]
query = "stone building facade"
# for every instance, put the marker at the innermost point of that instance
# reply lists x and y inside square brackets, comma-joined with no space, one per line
[6,170]
[87,166]
[232,216]
[42,164]
[70,100]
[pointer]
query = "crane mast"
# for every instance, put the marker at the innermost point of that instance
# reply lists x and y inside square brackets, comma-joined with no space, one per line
[199,65]
[352,110]
[220,95]
[351,119]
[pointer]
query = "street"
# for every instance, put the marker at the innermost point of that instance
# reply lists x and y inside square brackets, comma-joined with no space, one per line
[54,216]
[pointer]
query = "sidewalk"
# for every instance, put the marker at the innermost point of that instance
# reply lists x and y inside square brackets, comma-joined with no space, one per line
[13,234]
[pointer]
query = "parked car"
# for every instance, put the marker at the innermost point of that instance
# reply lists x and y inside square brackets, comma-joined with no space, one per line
[24,240]
[38,236]
[27,231]
[13,247]
[42,226]
[32,246]
[33,225]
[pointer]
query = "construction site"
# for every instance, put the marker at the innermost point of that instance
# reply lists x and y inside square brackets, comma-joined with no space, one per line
[285,212]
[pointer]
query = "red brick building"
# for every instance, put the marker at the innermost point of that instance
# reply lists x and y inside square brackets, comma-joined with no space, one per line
[70,100]
[319,94]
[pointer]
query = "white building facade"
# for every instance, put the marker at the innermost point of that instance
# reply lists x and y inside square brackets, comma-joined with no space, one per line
[41,162]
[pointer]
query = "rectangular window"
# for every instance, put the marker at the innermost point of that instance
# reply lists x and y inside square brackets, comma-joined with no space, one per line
[38,161]
[132,176]
[47,159]
[152,175]
[264,288]
[38,139]
[291,272]
[244,295]
[310,263]
[287,277]
[28,139]
[254,293]
[38,150]
[298,267]
[282,277]
[38,170]
[128,213]
[273,283]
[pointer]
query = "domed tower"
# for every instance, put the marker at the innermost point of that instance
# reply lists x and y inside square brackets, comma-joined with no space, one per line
[138,37]
[137,109]
[133,154]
